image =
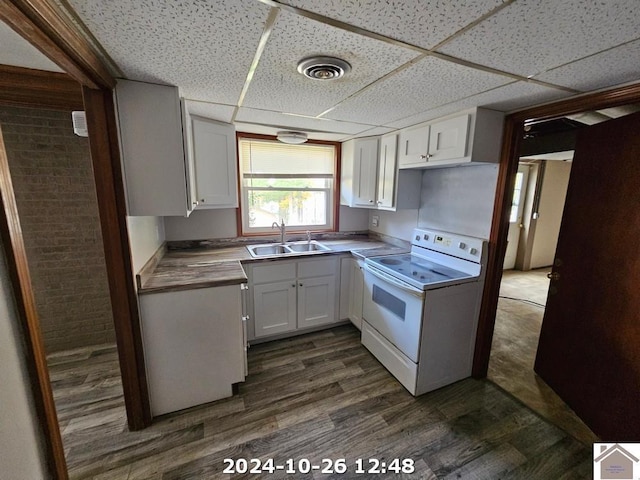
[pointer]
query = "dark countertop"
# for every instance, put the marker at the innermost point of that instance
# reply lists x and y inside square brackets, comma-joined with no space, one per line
[211,267]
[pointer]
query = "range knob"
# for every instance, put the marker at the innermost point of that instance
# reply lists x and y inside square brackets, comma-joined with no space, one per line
[462,245]
[417,238]
[425,237]
[473,251]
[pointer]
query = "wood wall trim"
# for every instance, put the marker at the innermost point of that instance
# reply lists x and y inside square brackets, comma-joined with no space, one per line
[39,22]
[504,193]
[103,143]
[16,255]
[25,87]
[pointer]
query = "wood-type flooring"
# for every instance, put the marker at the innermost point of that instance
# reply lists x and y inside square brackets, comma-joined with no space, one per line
[523,296]
[317,396]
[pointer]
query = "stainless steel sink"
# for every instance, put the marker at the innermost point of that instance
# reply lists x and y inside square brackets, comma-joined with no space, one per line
[273,249]
[311,246]
[262,250]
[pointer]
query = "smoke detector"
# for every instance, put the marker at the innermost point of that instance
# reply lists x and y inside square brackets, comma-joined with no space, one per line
[323,68]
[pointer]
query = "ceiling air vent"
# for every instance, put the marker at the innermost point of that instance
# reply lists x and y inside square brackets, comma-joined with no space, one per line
[323,68]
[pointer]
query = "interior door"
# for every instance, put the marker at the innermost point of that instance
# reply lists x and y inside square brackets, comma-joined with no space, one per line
[589,349]
[515,217]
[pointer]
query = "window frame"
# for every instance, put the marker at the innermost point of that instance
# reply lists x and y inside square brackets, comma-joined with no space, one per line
[242,192]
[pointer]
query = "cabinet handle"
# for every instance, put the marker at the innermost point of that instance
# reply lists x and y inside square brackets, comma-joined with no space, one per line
[370,201]
[301,284]
[293,285]
[426,157]
[379,202]
[202,200]
[196,203]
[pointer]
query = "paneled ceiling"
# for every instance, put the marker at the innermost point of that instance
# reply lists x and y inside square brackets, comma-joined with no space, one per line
[412,60]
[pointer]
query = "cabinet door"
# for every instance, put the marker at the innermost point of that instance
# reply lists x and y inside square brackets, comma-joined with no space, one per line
[356,294]
[414,146]
[274,308]
[365,172]
[316,301]
[214,163]
[387,172]
[448,139]
[184,334]
[150,132]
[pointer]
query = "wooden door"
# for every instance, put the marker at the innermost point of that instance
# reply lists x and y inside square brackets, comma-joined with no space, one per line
[589,349]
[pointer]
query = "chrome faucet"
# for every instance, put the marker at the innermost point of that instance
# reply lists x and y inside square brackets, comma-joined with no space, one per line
[282,229]
[308,236]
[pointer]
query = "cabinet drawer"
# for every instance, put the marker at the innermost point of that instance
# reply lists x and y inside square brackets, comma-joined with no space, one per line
[317,268]
[274,272]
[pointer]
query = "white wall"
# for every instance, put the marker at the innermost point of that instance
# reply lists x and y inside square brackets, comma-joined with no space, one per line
[146,235]
[353,219]
[398,224]
[459,199]
[221,223]
[552,197]
[202,225]
[21,455]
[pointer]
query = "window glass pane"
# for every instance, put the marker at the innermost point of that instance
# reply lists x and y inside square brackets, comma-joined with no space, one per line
[296,208]
[293,183]
[515,201]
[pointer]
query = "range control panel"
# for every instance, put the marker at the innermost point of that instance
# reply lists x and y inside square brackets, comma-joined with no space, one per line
[461,246]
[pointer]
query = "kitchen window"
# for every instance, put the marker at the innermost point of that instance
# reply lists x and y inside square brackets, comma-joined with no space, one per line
[294,183]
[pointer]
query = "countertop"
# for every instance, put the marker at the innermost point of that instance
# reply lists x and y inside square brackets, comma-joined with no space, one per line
[209,267]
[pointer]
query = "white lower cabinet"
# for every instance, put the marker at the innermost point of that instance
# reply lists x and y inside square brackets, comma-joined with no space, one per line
[292,295]
[351,290]
[275,307]
[356,293]
[194,346]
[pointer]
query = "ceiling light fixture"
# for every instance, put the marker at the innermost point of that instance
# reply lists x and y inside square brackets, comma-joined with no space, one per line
[323,68]
[294,138]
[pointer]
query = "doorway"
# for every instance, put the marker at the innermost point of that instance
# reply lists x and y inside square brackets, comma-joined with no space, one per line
[524,284]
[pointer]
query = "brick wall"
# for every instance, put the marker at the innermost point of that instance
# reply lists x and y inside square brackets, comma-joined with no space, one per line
[53,181]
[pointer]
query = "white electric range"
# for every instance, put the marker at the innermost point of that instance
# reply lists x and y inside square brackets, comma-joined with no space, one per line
[420,310]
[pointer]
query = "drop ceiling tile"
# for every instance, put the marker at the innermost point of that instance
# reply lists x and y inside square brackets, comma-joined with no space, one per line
[278,86]
[529,37]
[418,22]
[373,131]
[296,122]
[429,83]
[508,98]
[612,67]
[206,48]
[215,111]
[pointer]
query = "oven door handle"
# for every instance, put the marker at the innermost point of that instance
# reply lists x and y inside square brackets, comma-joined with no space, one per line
[393,281]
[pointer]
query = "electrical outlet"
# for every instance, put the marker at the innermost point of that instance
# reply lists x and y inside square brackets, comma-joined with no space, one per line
[375,220]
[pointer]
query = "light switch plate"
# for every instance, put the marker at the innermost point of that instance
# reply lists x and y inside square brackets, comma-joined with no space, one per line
[375,220]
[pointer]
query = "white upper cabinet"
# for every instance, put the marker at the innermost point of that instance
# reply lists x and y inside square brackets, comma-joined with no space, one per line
[473,136]
[359,172]
[211,162]
[414,146]
[370,177]
[150,128]
[387,167]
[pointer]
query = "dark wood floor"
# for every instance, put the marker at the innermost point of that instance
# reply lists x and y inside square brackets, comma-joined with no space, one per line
[316,396]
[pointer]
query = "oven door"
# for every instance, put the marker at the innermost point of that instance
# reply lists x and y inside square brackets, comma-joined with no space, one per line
[394,308]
